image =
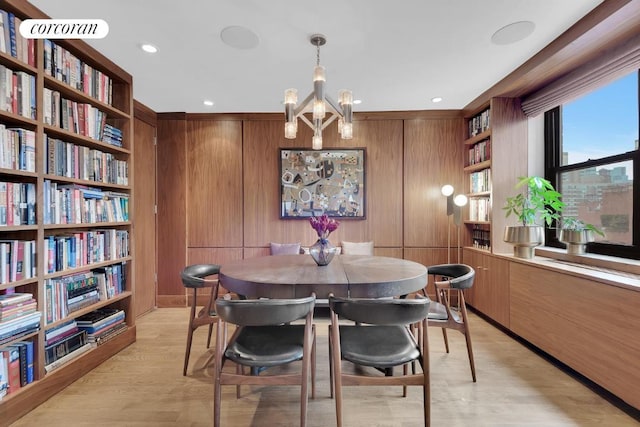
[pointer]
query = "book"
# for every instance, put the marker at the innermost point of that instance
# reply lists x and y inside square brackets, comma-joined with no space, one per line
[70,356]
[69,344]
[9,299]
[56,333]
[16,310]
[111,333]
[4,373]
[13,368]
[28,345]
[22,354]
[102,324]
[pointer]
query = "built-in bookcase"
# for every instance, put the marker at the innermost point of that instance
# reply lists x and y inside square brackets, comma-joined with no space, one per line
[496,157]
[66,147]
[478,175]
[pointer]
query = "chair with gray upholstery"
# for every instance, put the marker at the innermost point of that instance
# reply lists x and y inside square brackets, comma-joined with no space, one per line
[265,338]
[195,277]
[380,340]
[450,282]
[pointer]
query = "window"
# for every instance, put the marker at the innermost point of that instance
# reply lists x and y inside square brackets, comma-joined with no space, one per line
[592,158]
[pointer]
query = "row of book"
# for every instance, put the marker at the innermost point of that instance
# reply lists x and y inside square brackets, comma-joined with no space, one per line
[76,117]
[479,209]
[480,181]
[80,162]
[480,152]
[481,237]
[17,203]
[17,149]
[25,322]
[102,324]
[66,67]
[17,260]
[480,123]
[85,248]
[112,135]
[66,294]
[12,42]
[16,366]
[78,204]
[17,92]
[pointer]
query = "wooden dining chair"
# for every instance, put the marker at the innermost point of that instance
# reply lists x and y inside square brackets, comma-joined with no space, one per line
[265,337]
[380,340]
[195,277]
[450,282]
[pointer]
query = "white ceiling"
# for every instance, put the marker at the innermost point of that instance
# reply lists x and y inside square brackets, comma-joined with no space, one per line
[393,55]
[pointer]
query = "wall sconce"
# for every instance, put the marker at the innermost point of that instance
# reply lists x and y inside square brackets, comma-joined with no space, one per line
[454,208]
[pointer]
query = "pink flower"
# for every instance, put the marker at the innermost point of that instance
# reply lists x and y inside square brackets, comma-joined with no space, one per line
[323,225]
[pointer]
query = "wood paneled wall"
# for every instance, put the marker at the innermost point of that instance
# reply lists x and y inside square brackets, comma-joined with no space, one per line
[219,187]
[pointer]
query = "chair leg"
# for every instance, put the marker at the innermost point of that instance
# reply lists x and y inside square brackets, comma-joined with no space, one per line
[337,376]
[405,371]
[467,336]
[313,363]
[190,334]
[446,340]
[331,384]
[217,385]
[209,337]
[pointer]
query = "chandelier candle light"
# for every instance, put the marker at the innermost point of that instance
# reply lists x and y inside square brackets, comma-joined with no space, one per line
[322,251]
[319,104]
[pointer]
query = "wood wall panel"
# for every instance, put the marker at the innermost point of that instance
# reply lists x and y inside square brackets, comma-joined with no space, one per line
[172,213]
[509,161]
[433,157]
[382,140]
[214,183]
[144,204]
[585,324]
[261,167]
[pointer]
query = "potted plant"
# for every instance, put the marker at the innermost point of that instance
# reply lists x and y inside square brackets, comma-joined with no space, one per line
[575,233]
[537,203]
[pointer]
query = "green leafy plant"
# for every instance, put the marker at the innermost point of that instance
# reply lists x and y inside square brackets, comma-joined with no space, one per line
[538,201]
[575,224]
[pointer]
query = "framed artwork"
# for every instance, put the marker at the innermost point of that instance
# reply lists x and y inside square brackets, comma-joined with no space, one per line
[316,182]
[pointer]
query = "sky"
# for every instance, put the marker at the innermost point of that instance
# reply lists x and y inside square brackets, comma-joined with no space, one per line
[603,122]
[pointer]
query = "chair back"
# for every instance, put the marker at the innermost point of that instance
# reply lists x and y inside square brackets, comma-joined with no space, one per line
[381,311]
[193,276]
[357,248]
[461,276]
[262,312]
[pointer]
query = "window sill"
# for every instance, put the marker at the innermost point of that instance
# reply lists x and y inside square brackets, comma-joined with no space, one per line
[609,270]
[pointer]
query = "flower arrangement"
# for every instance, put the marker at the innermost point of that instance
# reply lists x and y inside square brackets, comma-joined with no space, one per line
[323,225]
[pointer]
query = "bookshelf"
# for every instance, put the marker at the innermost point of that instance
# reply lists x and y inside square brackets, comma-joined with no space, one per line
[478,177]
[65,198]
[497,133]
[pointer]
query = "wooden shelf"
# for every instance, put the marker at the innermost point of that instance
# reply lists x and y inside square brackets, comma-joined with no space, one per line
[479,137]
[120,114]
[478,166]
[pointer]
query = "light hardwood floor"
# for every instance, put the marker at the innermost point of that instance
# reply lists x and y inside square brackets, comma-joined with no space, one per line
[143,386]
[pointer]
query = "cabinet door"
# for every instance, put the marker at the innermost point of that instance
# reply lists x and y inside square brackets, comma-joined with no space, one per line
[497,282]
[470,258]
[490,292]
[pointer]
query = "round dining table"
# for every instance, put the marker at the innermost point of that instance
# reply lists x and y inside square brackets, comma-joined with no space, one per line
[296,276]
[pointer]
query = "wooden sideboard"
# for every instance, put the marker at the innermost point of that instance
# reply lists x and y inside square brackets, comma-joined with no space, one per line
[587,320]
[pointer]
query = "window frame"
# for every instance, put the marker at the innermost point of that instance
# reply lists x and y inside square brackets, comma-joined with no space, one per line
[553,168]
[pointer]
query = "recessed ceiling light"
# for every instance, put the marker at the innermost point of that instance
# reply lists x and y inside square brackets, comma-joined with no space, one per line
[513,32]
[208,103]
[239,37]
[357,101]
[149,48]
[436,99]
